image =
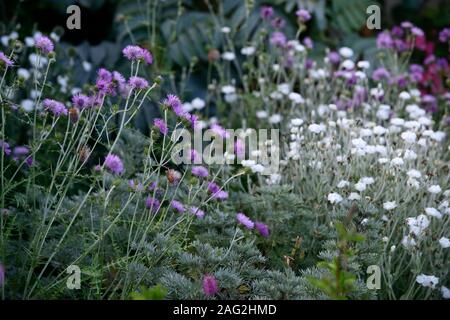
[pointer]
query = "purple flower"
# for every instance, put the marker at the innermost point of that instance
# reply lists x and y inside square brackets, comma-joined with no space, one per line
[334,57]
[7,61]
[278,39]
[245,221]
[161,125]
[219,130]
[152,203]
[103,74]
[303,15]
[444,35]
[81,101]
[397,31]
[308,43]
[2,275]
[406,25]
[210,286]
[266,12]
[5,147]
[213,187]
[278,23]
[177,205]
[380,73]
[262,228]
[384,40]
[199,213]
[195,157]
[44,44]
[174,102]
[137,53]
[21,151]
[137,82]
[430,103]
[417,32]
[113,163]
[135,186]
[239,148]
[200,171]
[56,107]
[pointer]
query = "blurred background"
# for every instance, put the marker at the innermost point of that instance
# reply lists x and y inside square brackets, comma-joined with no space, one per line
[181,33]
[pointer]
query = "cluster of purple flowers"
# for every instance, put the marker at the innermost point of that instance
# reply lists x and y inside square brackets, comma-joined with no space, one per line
[137,53]
[114,164]
[44,44]
[398,38]
[5,60]
[216,191]
[152,203]
[200,171]
[176,106]
[56,107]
[262,228]
[210,286]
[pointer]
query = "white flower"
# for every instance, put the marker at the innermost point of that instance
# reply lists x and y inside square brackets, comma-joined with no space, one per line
[334,197]
[360,186]
[383,160]
[198,103]
[343,184]
[409,136]
[261,114]
[225,29]
[29,41]
[248,51]
[86,66]
[414,173]
[296,122]
[316,128]
[444,242]
[229,56]
[433,212]
[418,224]
[348,64]
[359,143]
[276,118]
[27,105]
[296,98]
[346,52]
[445,292]
[363,64]
[54,36]
[434,189]
[284,88]
[389,205]
[427,281]
[438,136]
[23,73]
[379,130]
[354,196]
[397,161]
[228,89]
[367,180]
[248,163]
[410,155]
[257,168]
[408,242]
[404,95]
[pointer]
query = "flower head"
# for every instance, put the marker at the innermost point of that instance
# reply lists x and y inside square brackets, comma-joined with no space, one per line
[177,205]
[200,171]
[5,147]
[44,44]
[197,211]
[152,203]
[137,53]
[161,125]
[81,101]
[303,15]
[245,221]
[210,286]
[56,107]
[137,82]
[4,59]
[113,163]
[262,228]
